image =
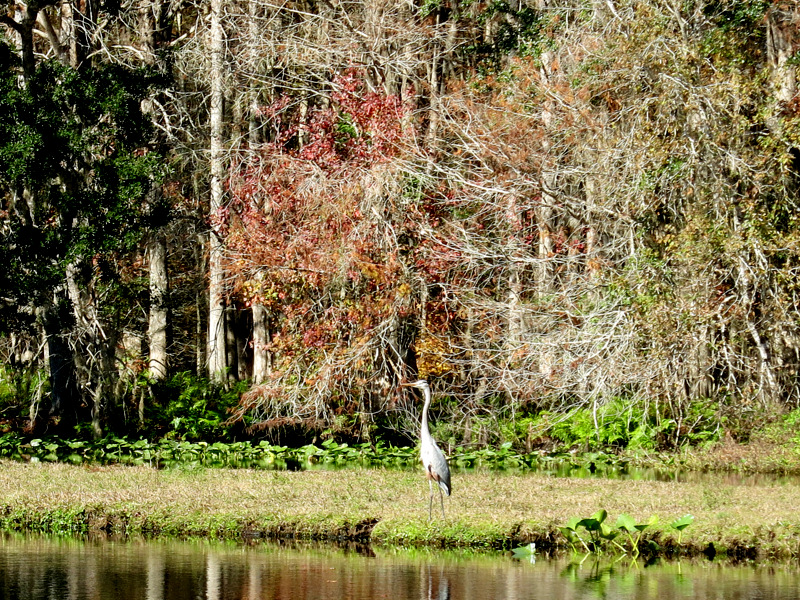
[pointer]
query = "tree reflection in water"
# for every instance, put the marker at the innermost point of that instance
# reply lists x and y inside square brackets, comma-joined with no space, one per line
[34,568]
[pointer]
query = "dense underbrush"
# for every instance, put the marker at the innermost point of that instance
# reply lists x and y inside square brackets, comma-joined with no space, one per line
[187,421]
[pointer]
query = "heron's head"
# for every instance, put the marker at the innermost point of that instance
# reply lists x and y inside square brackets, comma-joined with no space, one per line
[420,384]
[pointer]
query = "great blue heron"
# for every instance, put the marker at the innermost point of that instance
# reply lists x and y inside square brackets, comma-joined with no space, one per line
[433,459]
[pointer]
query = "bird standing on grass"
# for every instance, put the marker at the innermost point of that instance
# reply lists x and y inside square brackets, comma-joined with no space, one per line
[433,459]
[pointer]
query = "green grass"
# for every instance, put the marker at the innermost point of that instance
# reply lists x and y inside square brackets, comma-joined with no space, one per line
[388,507]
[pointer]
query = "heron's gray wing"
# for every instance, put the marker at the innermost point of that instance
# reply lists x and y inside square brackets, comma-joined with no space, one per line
[441,469]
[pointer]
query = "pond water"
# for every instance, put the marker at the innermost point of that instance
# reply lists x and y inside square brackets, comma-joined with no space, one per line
[610,471]
[35,568]
[565,468]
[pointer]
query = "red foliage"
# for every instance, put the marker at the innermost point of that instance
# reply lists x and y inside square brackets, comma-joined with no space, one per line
[295,203]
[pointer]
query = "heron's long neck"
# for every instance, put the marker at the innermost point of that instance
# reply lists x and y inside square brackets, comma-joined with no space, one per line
[425,429]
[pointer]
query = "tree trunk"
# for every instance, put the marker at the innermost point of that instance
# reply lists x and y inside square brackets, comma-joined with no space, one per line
[159,306]
[216,306]
[260,337]
[150,14]
[199,306]
[514,253]
[232,344]
[781,33]
[28,21]
[545,211]
[63,384]
[90,345]
[768,383]
[85,18]
[260,341]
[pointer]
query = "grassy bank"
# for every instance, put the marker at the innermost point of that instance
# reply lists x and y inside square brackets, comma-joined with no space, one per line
[388,507]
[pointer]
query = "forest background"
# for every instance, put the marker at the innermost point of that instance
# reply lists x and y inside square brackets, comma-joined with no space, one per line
[250,219]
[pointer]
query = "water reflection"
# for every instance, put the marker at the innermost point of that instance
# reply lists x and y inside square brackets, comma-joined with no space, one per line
[438,585]
[39,569]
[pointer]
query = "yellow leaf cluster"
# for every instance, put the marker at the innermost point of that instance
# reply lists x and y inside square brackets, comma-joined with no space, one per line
[432,357]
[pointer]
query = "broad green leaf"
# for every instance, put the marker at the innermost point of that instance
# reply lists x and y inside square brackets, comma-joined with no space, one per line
[589,524]
[600,515]
[607,532]
[593,522]
[682,523]
[627,523]
[651,521]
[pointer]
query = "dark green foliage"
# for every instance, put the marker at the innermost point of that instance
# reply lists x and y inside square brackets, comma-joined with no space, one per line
[618,424]
[519,31]
[739,33]
[168,450]
[193,409]
[743,17]
[171,453]
[74,169]
[19,387]
[76,164]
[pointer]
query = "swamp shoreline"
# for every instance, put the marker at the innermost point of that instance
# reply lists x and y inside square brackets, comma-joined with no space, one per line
[490,510]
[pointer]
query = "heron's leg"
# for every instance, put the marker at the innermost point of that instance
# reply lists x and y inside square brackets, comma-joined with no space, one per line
[430,500]
[441,500]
